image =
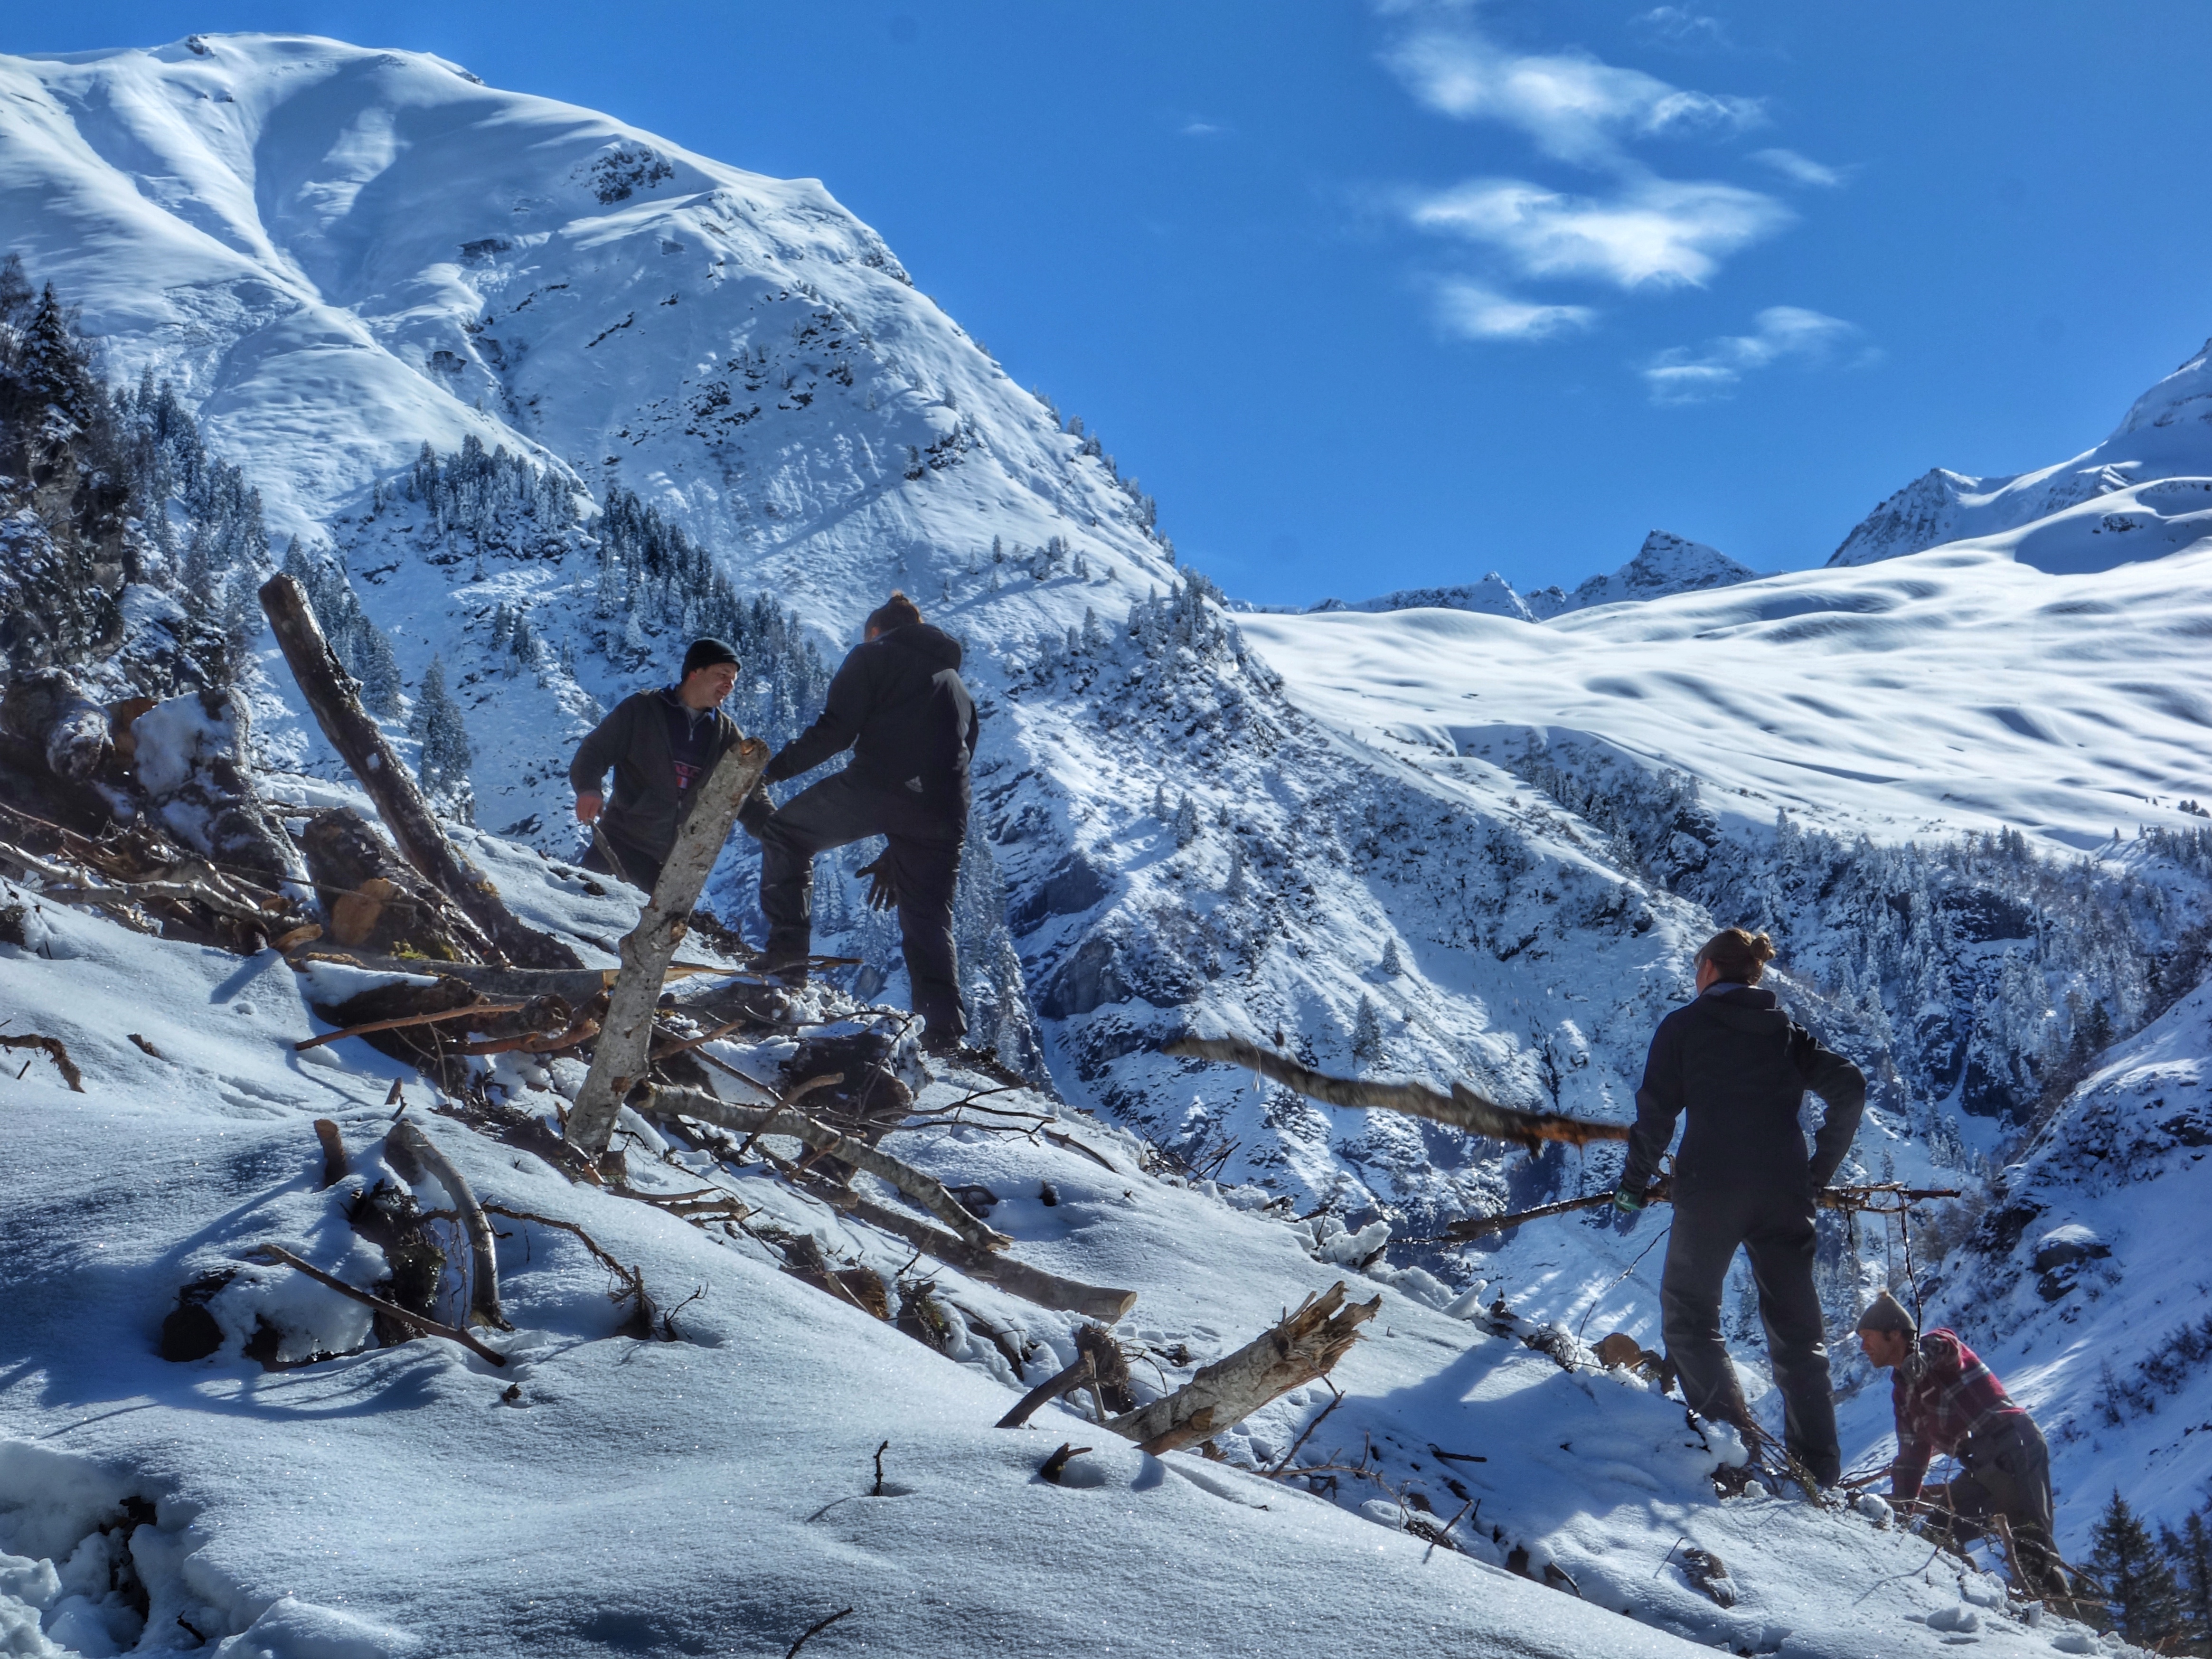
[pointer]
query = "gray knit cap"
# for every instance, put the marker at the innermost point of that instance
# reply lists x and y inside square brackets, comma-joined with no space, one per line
[1887,1313]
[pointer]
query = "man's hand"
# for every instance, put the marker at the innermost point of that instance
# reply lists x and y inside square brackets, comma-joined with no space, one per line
[753,815]
[1627,1210]
[883,891]
[587,807]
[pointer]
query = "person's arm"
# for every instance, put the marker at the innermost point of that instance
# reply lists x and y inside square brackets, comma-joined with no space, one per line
[1842,1088]
[1658,1104]
[833,730]
[599,750]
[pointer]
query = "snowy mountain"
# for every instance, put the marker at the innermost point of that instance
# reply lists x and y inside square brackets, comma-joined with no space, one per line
[529,396]
[1666,563]
[2152,474]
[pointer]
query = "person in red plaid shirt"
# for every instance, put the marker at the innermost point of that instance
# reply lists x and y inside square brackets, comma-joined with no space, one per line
[1949,1403]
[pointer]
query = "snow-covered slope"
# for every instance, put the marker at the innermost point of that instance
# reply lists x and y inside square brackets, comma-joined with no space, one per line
[1666,563]
[721,1491]
[2143,492]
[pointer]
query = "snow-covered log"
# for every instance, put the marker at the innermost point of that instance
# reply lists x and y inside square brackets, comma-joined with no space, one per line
[924,1189]
[329,691]
[1462,1108]
[1016,1277]
[1305,1344]
[484,1263]
[623,1053]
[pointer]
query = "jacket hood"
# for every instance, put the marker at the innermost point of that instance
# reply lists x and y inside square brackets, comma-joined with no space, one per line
[933,643]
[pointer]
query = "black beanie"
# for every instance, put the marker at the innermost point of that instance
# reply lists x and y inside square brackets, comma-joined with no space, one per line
[707,654]
[1887,1313]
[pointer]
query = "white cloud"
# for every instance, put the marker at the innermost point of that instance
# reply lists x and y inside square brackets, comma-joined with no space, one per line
[1575,106]
[1682,27]
[1198,129]
[1658,231]
[1687,375]
[1799,169]
[1475,312]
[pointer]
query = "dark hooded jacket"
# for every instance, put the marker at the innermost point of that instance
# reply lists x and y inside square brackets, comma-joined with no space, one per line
[647,805]
[1740,1068]
[899,704]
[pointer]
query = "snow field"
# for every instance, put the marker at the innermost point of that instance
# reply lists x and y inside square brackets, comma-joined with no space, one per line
[715,1493]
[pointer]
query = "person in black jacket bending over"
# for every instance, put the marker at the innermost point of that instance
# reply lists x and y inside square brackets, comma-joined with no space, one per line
[898,704]
[660,744]
[1740,1067]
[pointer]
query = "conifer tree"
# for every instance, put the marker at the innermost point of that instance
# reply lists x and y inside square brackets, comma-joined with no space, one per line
[2140,1594]
[1186,822]
[443,737]
[1367,1031]
[1392,964]
[2191,1557]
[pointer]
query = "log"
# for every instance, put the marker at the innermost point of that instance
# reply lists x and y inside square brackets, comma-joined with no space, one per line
[924,1189]
[1462,1108]
[574,986]
[375,901]
[47,712]
[484,1263]
[1305,1345]
[1015,1276]
[334,1151]
[1861,1198]
[329,690]
[391,1309]
[622,1058]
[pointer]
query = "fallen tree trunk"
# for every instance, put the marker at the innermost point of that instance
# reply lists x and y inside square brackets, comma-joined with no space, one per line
[1864,1198]
[483,1264]
[329,691]
[623,1056]
[924,1189]
[376,901]
[1305,1345]
[1462,1108]
[1015,1276]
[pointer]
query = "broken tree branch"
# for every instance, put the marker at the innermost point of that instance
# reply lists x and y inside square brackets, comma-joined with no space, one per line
[1462,1108]
[1828,1198]
[484,1263]
[428,1327]
[414,830]
[483,1010]
[621,1057]
[1064,1381]
[54,1049]
[1015,1276]
[924,1189]
[1304,1344]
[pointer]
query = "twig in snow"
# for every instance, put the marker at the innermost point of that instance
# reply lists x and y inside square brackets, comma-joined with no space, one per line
[428,1327]
[880,1450]
[1059,1383]
[334,1151]
[483,1261]
[52,1048]
[475,1010]
[1320,1418]
[814,1630]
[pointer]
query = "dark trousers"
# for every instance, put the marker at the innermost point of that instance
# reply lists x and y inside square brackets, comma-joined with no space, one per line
[2007,1473]
[1776,1226]
[639,867]
[925,866]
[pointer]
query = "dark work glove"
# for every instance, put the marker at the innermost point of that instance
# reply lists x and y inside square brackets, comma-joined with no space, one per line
[883,891]
[1627,1210]
[753,815]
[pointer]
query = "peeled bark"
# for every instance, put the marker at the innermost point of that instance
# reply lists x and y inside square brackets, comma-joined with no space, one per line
[1305,1345]
[623,1055]
[1462,1108]
[330,694]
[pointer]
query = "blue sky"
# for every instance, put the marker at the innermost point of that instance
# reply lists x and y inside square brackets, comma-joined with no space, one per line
[1374,295]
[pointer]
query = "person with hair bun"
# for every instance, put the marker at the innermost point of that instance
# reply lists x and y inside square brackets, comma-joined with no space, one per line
[1738,1067]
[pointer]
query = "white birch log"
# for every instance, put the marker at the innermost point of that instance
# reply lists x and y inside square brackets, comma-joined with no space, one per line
[623,1053]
